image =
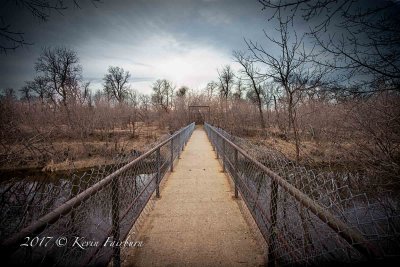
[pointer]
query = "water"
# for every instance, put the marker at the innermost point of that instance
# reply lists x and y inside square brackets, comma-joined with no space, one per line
[23,201]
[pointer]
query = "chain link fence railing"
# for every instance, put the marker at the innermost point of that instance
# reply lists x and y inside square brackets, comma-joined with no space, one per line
[309,217]
[83,220]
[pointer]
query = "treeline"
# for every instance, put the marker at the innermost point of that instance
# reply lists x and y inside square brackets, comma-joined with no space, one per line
[327,127]
[312,97]
[58,104]
[58,109]
[334,86]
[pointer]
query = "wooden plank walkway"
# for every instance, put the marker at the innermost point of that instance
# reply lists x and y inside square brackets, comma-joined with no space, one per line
[197,222]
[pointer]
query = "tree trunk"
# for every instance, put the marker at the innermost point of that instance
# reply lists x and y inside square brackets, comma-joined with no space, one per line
[276,113]
[262,122]
[293,126]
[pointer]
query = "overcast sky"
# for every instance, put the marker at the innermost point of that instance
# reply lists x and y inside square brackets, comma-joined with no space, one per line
[181,40]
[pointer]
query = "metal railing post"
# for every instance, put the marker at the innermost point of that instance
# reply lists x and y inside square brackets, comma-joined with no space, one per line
[273,229]
[178,144]
[172,155]
[158,173]
[110,181]
[115,221]
[223,156]
[237,173]
[183,145]
[353,236]
[212,139]
[216,147]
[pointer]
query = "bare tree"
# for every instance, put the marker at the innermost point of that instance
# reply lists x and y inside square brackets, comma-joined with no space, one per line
[60,70]
[240,89]
[144,101]
[25,94]
[250,71]
[210,89]
[40,89]
[116,83]
[294,70]
[168,90]
[163,91]
[85,95]
[180,109]
[12,39]
[376,125]
[360,38]
[226,81]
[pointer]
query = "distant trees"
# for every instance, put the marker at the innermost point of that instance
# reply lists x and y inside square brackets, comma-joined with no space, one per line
[240,89]
[226,78]
[163,93]
[59,75]
[116,84]
[58,79]
[57,105]
[210,89]
[182,91]
[58,87]
[8,93]
[145,102]
[38,88]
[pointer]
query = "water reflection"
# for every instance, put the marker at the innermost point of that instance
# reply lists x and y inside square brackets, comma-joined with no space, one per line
[24,201]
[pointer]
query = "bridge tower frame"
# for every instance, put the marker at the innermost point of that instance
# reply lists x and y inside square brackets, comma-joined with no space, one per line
[194,118]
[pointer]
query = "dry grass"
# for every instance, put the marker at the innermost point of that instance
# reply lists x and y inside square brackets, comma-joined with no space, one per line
[65,152]
[315,152]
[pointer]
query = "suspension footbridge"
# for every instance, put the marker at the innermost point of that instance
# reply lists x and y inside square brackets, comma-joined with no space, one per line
[201,197]
[196,222]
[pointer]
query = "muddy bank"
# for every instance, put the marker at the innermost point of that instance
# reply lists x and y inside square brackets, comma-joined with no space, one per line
[34,174]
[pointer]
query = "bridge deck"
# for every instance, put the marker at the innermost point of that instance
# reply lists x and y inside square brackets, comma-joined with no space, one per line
[196,222]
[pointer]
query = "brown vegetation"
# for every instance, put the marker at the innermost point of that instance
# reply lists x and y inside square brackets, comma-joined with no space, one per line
[340,113]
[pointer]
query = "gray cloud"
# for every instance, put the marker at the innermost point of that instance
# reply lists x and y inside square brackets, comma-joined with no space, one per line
[150,38]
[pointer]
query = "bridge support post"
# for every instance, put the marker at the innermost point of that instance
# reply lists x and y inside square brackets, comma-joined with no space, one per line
[115,221]
[158,178]
[237,174]
[272,229]
[172,155]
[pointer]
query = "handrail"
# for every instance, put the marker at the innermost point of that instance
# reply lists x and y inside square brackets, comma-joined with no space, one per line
[353,237]
[9,245]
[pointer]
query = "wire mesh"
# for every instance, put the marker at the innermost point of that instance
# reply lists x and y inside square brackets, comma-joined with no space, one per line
[85,219]
[309,217]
